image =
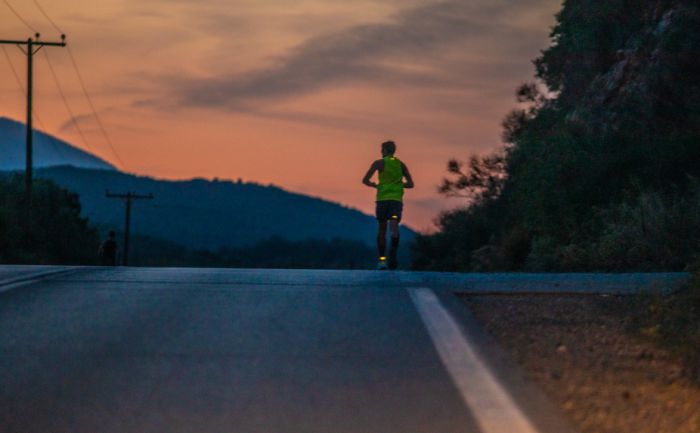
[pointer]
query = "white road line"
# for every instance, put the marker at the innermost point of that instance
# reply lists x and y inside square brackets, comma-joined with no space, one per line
[31,278]
[492,407]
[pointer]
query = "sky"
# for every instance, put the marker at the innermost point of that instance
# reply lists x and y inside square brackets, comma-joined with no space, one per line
[295,93]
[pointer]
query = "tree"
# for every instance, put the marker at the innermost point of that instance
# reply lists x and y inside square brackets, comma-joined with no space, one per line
[56,233]
[481,179]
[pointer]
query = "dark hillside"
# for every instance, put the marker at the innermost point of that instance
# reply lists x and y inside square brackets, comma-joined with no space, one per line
[600,171]
[209,215]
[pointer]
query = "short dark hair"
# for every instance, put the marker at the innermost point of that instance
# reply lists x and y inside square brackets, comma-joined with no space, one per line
[389,147]
[111,234]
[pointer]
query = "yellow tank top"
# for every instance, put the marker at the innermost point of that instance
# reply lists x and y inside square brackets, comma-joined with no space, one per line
[390,180]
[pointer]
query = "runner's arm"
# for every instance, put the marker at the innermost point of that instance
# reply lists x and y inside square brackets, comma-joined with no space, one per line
[409,180]
[367,180]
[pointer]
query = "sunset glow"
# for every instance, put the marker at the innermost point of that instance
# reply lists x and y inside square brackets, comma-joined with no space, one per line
[295,93]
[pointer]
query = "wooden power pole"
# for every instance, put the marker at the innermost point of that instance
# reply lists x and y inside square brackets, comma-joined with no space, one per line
[32,47]
[128,198]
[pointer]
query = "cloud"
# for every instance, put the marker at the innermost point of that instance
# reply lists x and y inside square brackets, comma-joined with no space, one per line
[390,53]
[82,120]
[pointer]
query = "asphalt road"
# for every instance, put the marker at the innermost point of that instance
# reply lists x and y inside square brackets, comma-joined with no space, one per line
[194,350]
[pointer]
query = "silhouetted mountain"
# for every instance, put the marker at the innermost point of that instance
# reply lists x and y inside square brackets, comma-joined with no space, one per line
[197,214]
[209,215]
[48,150]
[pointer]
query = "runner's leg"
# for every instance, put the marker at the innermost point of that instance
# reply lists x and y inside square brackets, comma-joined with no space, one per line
[381,239]
[394,227]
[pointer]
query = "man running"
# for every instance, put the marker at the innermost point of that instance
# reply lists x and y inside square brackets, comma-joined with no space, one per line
[108,250]
[389,199]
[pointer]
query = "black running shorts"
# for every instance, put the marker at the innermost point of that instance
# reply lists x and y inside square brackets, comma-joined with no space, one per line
[389,210]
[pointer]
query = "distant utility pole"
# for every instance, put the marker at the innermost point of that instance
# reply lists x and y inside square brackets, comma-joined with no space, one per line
[128,198]
[33,46]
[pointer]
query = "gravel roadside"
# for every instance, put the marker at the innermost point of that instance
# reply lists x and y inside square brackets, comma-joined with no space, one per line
[580,351]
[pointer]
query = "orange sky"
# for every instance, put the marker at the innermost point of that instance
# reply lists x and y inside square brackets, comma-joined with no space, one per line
[296,93]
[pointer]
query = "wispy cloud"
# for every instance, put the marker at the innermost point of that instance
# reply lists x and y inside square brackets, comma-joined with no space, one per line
[82,120]
[403,51]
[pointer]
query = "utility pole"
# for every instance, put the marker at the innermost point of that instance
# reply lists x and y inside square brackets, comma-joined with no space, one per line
[32,47]
[128,198]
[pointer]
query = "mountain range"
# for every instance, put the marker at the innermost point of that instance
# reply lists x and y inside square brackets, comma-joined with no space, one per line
[195,213]
[47,150]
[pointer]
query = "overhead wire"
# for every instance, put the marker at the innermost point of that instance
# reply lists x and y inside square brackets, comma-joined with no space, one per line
[18,80]
[12,67]
[48,18]
[19,17]
[57,149]
[65,101]
[60,89]
[98,119]
[92,107]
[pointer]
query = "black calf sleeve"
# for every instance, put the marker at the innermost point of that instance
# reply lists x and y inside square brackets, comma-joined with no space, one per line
[381,246]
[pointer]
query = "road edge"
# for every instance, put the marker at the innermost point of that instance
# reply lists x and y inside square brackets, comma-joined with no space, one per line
[530,398]
[31,278]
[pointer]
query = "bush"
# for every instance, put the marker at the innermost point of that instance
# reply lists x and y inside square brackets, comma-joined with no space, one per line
[653,232]
[461,233]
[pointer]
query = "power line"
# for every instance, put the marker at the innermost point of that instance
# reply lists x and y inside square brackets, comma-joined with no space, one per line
[57,149]
[14,71]
[80,79]
[65,102]
[12,67]
[43,12]
[19,82]
[54,145]
[94,111]
[98,119]
[19,17]
[128,198]
[33,46]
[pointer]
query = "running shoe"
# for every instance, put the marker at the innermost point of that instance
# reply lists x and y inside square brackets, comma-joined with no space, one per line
[393,263]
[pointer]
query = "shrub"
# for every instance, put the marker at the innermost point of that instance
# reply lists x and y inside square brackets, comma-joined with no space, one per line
[654,231]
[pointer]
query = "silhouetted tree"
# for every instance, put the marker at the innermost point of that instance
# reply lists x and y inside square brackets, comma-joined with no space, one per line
[54,232]
[482,178]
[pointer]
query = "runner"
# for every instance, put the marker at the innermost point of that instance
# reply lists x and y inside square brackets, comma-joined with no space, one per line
[108,250]
[389,200]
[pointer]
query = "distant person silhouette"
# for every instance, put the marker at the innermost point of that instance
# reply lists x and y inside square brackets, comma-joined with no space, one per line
[389,200]
[108,250]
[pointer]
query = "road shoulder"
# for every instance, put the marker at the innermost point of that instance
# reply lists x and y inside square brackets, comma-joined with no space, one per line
[579,350]
[541,412]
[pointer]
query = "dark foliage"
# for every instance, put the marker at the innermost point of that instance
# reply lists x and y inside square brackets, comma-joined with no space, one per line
[52,233]
[481,180]
[611,133]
